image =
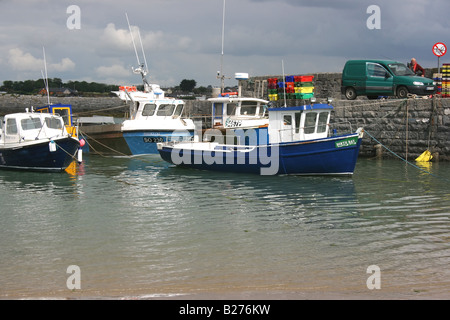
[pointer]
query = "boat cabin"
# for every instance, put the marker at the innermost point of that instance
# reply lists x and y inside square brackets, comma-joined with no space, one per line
[150,104]
[31,126]
[238,112]
[168,108]
[306,122]
[63,110]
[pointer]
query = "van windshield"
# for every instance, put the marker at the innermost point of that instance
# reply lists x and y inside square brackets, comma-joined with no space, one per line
[399,69]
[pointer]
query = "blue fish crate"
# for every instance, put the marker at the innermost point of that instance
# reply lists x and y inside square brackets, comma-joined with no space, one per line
[290,79]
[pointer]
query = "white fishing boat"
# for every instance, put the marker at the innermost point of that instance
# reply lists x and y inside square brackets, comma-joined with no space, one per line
[152,118]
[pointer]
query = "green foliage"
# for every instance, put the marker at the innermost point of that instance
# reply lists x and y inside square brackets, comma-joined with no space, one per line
[34,86]
[187,85]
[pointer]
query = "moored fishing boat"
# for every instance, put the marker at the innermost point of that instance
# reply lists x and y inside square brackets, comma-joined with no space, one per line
[36,141]
[298,140]
[152,118]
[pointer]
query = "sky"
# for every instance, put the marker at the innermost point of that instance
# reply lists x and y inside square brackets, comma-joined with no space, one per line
[182,39]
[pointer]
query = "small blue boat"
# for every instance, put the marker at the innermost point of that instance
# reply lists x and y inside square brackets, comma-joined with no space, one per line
[297,140]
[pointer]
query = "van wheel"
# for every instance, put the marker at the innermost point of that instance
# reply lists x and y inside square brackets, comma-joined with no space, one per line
[350,93]
[402,92]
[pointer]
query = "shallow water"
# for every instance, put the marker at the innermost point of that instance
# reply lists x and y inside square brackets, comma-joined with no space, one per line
[141,227]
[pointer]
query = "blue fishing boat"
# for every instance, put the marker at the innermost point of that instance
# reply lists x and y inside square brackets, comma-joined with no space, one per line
[297,140]
[36,141]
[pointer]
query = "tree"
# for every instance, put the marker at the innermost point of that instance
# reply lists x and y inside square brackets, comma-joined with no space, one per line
[187,85]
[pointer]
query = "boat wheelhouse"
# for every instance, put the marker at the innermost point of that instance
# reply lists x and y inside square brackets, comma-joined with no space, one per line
[63,110]
[238,112]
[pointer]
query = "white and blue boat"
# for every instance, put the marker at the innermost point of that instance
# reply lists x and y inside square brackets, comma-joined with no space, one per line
[297,140]
[232,112]
[36,141]
[152,118]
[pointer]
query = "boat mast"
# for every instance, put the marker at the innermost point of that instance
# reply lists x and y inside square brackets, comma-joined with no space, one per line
[142,68]
[46,77]
[220,74]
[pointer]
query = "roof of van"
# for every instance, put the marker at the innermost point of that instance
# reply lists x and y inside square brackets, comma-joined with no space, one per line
[375,60]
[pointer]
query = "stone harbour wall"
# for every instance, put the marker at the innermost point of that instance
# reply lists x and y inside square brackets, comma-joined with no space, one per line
[406,127]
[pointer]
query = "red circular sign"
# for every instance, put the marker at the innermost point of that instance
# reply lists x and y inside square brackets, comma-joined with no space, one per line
[439,49]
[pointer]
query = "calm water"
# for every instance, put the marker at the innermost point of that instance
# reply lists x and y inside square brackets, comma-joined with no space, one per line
[138,227]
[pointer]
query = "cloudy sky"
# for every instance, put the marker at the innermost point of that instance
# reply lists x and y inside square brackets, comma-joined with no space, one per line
[182,39]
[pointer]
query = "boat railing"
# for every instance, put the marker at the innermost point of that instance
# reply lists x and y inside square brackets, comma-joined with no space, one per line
[286,135]
[340,126]
[222,138]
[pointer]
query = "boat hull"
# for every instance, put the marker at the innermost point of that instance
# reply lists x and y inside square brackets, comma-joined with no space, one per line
[38,156]
[330,156]
[111,140]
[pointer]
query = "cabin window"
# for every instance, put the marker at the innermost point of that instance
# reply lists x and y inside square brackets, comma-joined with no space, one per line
[231,109]
[322,125]
[287,120]
[31,123]
[297,122]
[11,126]
[165,110]
[310,122]
[178,110]
[149,109]
[248,108]
[218,109]
[65,114]
[53,123]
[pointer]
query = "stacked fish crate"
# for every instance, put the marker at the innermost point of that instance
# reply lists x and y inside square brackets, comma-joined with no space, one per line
[294,87]
[272,88]
[304,87]
[446,80]
[437,78]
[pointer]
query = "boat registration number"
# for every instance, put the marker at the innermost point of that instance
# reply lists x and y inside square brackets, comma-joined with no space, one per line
[353,141]
[153,139]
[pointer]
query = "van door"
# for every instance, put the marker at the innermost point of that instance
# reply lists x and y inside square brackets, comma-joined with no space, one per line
[379,81]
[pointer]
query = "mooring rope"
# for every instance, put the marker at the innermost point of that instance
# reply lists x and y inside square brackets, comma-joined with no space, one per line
[67,152]
[408,162]
[90,146]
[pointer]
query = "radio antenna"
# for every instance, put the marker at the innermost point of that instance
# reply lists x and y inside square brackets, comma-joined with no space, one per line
[284,83]
[221,76]
[142,67]
[132,39]
[45,78]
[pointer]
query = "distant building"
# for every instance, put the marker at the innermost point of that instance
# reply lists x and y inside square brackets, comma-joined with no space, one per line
[59,92]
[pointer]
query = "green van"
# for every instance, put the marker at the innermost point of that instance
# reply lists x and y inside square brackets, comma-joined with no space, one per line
[374,78]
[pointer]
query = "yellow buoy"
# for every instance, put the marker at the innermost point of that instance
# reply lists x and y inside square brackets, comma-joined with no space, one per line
[425,156]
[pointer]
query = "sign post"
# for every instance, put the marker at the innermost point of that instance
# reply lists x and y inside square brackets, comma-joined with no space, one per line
[439,49]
